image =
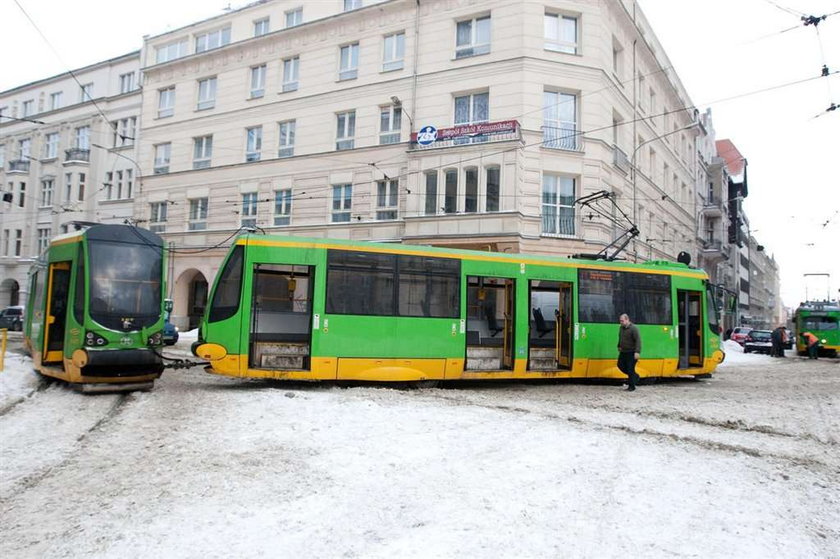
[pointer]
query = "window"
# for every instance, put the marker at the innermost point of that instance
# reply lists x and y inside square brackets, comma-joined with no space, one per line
[431,193]
[366,283]
[386,199]
[641,84]
[346,123]
[202,151]
[206,93]
[81,191]
[157,216]
[291,68]
[171,51]
[261,27]
[352,5]
[68,186]
[226,297]
[492,187]
[162,154]
[253,143]
[18,241]
[2,155]
[166,102]
[108,185]
[47,186]
[393,52]
[283,206]
[44,239]
[55,100]
[342,202]
[28,108]
[560,129]
[652,105]
[127,82]
[390,121]
[86,93]
[470,190]
[561,33]
[558,205]
[51,145]
[198,214]
[258,81]
[119,184]
[349,65]
[286,142]
[450,197]
[124,131]
[472,37]
[212,39]
[617,59]
[605,294]
[23,148]
[82,137]
[5,242]
[294,17]
[471,109]
[21,194]
[127,193]
[249,209]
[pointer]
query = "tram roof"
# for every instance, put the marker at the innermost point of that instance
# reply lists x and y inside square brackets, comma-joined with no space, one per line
[654,266]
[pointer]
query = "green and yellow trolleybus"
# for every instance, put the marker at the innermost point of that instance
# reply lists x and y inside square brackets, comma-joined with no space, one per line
[95,310]
[822,319]
[315,309]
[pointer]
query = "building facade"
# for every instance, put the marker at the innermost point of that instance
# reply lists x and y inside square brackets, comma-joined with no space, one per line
[67,154]
[299,118]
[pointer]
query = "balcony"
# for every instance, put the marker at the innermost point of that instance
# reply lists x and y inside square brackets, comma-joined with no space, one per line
[715,249]
[76,155]
[566,138]
[712,207]
[19,166]
[620,160]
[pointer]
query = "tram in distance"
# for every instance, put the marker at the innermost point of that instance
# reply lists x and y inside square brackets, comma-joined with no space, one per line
[95,311]
[316,309]
[822,319]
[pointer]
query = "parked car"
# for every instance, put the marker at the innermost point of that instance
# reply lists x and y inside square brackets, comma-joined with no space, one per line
[758,341]
[12,318]
[739,333]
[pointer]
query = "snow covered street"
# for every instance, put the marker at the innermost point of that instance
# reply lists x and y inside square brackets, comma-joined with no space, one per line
[744,464]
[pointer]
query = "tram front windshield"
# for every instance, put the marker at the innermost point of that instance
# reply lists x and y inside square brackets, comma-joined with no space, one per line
[125,284]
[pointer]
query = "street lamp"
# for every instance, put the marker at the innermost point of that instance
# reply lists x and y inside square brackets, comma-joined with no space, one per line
[398,105]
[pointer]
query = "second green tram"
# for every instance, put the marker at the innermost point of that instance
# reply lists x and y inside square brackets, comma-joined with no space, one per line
[95,311]
[316,309]
[822,319]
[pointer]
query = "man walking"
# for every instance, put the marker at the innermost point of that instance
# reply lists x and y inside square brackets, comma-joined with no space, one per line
[629,350]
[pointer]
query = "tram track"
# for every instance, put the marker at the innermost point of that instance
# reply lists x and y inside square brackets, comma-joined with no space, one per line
[762,442]
[27,481]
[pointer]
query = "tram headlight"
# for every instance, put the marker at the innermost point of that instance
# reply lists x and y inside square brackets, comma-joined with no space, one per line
[156,338]
[92,339]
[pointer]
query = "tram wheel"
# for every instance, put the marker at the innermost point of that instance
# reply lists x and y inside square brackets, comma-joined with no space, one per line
[425,384]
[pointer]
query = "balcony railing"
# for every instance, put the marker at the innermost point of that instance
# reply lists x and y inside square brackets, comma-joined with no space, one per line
[562,137]
[19,166]
[77,154]
[620,160]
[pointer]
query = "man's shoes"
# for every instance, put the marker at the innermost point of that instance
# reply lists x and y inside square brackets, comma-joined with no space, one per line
[631,388]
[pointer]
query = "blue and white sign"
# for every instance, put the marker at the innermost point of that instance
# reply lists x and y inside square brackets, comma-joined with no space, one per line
[427,135]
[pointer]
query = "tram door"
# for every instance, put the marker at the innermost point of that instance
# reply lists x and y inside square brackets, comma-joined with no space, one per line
[689,329]
[58,290]
[550,338]
[281,317]
[490,323]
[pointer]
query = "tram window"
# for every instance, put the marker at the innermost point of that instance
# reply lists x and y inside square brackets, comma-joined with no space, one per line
[819,323]
[391,285]
[360,283]
[429,286]
[712,311]
[226,298]
[79,299]
[604,295]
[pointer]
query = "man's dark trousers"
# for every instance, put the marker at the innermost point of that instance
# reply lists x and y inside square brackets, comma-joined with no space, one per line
[627,365]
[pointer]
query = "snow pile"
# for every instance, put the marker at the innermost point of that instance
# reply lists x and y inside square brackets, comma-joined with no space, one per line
[17,380]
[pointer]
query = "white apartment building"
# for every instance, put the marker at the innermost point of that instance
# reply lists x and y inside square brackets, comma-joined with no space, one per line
[67,153]
[300,118]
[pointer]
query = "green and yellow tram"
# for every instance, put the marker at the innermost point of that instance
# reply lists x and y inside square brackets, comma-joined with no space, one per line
[315,309]
[822,319]
[95,310]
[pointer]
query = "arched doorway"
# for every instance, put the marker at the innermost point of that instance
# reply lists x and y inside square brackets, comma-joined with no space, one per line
[189,298]
[9,293]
